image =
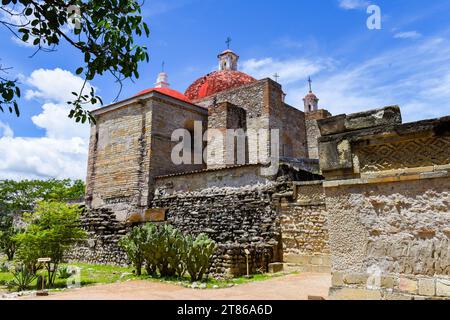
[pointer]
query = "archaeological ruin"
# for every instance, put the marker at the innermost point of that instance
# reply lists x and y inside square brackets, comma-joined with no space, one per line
[363,196]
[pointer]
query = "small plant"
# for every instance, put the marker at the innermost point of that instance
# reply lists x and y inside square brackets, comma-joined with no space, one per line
[22,278]
[64,273]
[4,267]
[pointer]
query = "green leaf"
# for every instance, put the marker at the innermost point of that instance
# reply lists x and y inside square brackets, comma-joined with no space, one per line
[79,70]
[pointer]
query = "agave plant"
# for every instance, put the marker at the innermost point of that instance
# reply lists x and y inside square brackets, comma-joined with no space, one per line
[22,277]
[64,273]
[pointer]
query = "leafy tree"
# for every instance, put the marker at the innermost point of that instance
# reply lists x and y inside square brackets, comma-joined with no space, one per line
[21,196]
[51,230]
[7,232]
[103,33]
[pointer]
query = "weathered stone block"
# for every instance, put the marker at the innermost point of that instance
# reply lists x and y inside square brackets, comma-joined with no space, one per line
[355,278]
[155,215]
[388,282]
[337,279]
[354,294]
[373,118]
[357,121]
[335,155]
[443,287]
[408,285]
[332,125]
[427,287]
[275,267]
[396,296]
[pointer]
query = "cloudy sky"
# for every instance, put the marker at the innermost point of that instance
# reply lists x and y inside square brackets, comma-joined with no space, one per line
[353,68]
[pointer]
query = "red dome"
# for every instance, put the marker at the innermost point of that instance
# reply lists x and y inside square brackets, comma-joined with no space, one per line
[167,91]
[216,82]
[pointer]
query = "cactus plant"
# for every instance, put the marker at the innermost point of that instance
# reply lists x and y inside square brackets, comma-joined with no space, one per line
[200,251]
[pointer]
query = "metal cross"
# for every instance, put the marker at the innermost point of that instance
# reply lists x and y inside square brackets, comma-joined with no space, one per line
[162,66]
[310,82]
[228,42]
[276,76]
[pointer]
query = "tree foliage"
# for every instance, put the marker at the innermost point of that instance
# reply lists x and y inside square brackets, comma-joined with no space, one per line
[7,232]
[21,196]
[17,197]
[51,230]
[102,31]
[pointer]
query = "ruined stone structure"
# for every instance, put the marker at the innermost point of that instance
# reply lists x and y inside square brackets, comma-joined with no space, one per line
[387,195]
[362,196]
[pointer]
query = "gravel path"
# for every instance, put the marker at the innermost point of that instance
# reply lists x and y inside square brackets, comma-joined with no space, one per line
[290,287]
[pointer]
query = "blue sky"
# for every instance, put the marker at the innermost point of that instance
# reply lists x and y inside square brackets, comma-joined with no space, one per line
[353,68]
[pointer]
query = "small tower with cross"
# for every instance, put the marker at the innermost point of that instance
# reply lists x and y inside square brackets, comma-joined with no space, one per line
[163,78]
[228,60]
[311,101]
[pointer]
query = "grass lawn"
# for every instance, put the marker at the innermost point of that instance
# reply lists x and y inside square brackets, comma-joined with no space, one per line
[97,274]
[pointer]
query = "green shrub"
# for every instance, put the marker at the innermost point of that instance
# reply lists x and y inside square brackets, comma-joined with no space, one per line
[166,250]
[52,229]
[199,253]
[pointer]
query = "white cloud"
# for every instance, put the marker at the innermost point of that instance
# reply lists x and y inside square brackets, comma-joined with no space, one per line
[353,4]
[408,35]
[5,130]
[62,152]
[416,77]
[41,158]
[289,71]
[54,85]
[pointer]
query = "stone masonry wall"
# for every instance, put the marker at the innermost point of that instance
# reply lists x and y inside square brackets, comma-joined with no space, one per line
[389,209]
[304,228]
[236,218]
[104,232]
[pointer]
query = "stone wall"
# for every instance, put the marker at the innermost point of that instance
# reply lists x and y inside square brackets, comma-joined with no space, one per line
[313,132]
[130,145]
[389,211]
[104,232]
[236,218]
[304,228]
[265,109]
[220,153]
[234,177]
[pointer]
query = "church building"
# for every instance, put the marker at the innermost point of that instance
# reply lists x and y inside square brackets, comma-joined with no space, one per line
[131,143]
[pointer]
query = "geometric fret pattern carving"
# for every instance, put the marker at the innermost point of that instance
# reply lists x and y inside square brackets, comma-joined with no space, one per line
[407,154]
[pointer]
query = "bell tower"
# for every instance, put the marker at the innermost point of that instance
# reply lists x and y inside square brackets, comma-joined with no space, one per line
[228,60]
[311,101]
